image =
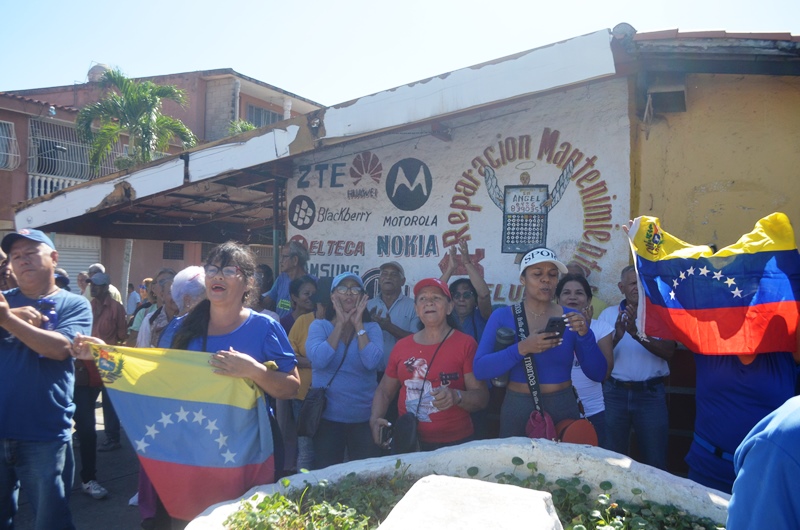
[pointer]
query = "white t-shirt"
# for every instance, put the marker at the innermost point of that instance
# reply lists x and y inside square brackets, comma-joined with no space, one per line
[632,361]
[591,392]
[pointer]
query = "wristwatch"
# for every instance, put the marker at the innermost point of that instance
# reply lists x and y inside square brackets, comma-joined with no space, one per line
[362,331]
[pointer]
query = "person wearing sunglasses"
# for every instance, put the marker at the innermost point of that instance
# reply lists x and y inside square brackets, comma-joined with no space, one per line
[294,264]
[345,349]
[471,297]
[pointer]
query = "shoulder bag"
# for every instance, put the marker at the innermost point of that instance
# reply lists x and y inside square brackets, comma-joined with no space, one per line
[314,405]
[540,424]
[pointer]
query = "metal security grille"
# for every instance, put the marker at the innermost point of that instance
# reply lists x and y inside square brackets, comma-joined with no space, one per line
[173,251]
[55,150]
[262,117]
[9,149]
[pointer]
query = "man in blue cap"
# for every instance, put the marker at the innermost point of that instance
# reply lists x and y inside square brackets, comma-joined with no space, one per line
[36,383]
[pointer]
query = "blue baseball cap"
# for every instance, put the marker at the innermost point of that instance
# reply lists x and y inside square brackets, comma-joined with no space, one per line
[25,233]
[344,276]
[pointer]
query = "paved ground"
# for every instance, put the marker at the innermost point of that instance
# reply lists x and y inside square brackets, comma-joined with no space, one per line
[118,472]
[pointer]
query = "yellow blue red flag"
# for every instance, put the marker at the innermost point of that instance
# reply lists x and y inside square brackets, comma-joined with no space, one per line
[742,299]
[202,438]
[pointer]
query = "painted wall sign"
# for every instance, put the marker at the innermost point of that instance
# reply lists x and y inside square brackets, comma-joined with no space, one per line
[552,170]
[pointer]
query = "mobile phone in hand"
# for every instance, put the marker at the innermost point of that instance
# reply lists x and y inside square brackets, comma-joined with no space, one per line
[386,434]
[555,325]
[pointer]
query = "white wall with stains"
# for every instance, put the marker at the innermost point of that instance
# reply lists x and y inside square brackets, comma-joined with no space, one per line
[407,196]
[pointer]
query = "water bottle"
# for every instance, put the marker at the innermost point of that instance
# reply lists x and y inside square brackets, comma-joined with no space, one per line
[47,308]
[504,338]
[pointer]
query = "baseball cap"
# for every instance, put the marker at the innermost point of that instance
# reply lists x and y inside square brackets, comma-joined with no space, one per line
[395,265]
[541,255]
[99,278]
[344,276]
[432,282]
[25,233]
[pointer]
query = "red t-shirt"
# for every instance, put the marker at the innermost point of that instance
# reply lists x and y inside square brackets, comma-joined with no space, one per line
[408,363]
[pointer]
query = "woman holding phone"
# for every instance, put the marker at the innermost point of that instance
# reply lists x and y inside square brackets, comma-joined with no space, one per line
[555,336]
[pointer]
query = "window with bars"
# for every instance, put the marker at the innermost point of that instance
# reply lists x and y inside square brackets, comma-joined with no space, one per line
[9,149]
[55,150]
[261,117]
[172,251]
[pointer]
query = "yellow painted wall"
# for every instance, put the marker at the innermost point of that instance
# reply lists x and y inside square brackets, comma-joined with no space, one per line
[733,157]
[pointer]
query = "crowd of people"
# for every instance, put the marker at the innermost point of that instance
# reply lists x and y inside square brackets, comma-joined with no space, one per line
[437,349]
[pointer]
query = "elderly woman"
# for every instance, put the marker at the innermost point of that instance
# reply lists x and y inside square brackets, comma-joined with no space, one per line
[552,353]
[188,288]
[432,370]
[471,298]
[574,292]
[345,351]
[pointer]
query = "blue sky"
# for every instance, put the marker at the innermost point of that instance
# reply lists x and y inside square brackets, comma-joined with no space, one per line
[328,51]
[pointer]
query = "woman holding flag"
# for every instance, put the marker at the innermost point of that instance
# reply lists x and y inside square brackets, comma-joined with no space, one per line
[244,345]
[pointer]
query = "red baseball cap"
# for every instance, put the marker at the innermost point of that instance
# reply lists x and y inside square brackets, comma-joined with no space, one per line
[432,282]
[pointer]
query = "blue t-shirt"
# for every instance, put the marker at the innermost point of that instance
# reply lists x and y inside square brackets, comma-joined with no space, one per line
[473,325]
[553,366]
[731,397]
[767,466]
[351,392]
[36,392]
[260,337]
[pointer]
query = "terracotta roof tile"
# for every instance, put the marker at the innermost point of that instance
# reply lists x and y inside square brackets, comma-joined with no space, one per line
[37,101]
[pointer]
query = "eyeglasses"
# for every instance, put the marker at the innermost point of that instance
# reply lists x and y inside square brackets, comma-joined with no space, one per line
[466,295]
[229,271]
[285,256]
[164,281]
[341,289]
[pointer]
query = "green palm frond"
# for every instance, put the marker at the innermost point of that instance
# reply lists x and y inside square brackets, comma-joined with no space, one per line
[132,107]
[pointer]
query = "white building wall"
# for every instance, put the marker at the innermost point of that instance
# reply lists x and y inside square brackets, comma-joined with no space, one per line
[408,196]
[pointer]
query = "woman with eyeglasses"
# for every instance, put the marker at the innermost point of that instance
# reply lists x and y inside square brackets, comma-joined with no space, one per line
[471,297]
[432,371]
[240,340]
[345,350]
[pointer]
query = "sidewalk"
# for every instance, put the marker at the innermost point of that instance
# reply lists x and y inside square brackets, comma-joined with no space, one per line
[118,472]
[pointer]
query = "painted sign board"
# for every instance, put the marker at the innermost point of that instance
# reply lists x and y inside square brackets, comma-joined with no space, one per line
[552,169]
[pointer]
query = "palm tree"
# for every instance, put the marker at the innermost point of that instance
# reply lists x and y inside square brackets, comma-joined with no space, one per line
[132,108]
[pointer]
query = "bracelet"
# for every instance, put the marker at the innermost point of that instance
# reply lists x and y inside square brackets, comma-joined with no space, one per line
[460,397]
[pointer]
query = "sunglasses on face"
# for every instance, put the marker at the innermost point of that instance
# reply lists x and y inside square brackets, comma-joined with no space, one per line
[466,295]
[341,289]
[228,272]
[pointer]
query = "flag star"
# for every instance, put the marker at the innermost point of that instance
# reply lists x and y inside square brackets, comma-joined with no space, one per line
[737,293]
[151,430]
[212,426]
[166,419]
[704,271]
[675,282]
[182,414]
[222,440]
[198,416]
[730,281]
[228,456]
[718,275]
[690,271]
[672,295]
[141,445]
[683,275]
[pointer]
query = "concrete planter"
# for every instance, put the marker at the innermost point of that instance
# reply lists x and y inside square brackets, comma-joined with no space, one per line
[555,460]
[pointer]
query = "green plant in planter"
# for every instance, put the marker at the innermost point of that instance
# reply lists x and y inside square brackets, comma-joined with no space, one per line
[365,502]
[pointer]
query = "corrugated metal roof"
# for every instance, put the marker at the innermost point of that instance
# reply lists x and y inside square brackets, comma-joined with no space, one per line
[676,34]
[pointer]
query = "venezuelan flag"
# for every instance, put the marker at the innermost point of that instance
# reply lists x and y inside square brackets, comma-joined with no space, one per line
[742,299]
[202,438]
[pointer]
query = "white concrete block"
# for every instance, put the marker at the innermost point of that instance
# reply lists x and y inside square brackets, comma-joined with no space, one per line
[463,504]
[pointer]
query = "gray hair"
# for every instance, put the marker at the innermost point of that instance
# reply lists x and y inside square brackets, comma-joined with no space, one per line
[299,251]
[625,271]
[190,282]
[94,268]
